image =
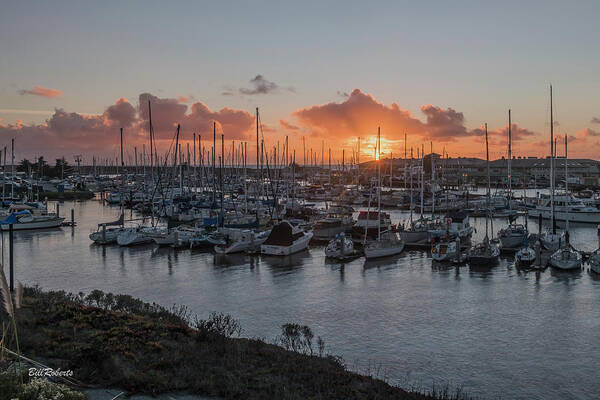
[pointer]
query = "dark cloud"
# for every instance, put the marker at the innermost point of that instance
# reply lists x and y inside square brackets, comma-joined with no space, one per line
[260,86]
[595,120]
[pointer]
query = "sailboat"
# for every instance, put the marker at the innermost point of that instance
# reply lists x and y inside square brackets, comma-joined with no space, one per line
[550,239]
[486,252]
[104,235]
[340,247]
[514,235]
[387,243]
[417,231]
[566,257]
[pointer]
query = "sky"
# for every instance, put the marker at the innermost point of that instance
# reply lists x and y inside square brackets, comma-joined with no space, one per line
[326,72]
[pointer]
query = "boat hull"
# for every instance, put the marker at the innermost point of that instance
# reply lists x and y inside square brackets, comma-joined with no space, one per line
[53,223]
[377,252]
[298,245]
[584,216]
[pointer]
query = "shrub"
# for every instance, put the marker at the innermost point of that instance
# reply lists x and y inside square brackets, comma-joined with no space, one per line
[296,337]
[217,325]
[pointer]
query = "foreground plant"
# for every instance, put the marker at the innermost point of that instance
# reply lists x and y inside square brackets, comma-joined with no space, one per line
[35,389]
[9,307]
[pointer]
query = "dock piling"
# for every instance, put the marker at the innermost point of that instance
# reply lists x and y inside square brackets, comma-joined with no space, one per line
[11,256]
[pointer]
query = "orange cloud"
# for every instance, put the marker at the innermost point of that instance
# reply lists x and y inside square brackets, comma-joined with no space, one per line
[288,126]
[67,133]
[42,92]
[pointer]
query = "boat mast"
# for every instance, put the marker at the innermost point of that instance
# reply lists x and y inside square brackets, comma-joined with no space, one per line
[214,174]
[509,160]
[423,178]
[567,184]
[377,157]
[487,162]
[432,181]
[552,164]
[411,184]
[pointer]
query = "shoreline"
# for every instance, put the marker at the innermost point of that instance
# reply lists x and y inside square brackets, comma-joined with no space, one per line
[117,341]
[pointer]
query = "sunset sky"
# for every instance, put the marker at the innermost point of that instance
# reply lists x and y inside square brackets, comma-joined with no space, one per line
[73,73]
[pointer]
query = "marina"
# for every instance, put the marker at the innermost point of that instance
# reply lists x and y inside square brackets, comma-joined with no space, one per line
[317,200]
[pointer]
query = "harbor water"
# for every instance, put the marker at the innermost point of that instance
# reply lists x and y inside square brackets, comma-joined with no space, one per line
[495,332]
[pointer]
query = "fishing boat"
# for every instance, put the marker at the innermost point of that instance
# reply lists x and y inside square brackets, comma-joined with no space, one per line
[387,243]
[285,239]
[242,240]
[340,247]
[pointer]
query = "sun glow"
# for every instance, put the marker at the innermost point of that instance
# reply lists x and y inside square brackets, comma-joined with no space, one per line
[368,147]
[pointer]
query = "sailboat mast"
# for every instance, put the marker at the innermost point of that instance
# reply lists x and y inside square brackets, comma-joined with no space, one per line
[509,160]
[422,178]
[566,183]
[214,172]
[378,155]
[552,163]
[487,162]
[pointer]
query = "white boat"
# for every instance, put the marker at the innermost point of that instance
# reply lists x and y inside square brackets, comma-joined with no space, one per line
[338,220]
[285,239]
[417,231]
[454,225]
[594,261]
[369,221]
[566,259]
[552,241]
[133,236]
[513,236]
[388,244]
[446,251]
[24,220]
[566,207]
[242,240]
[339,247]
[104,235]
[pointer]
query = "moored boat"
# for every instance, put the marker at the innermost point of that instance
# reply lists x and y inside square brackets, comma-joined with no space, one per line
[285,239]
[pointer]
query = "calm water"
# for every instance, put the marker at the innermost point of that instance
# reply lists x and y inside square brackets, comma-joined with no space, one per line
[496,332]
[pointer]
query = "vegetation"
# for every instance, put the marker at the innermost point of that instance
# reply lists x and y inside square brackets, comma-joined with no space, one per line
[119,341]
[40,167]
[35,389]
